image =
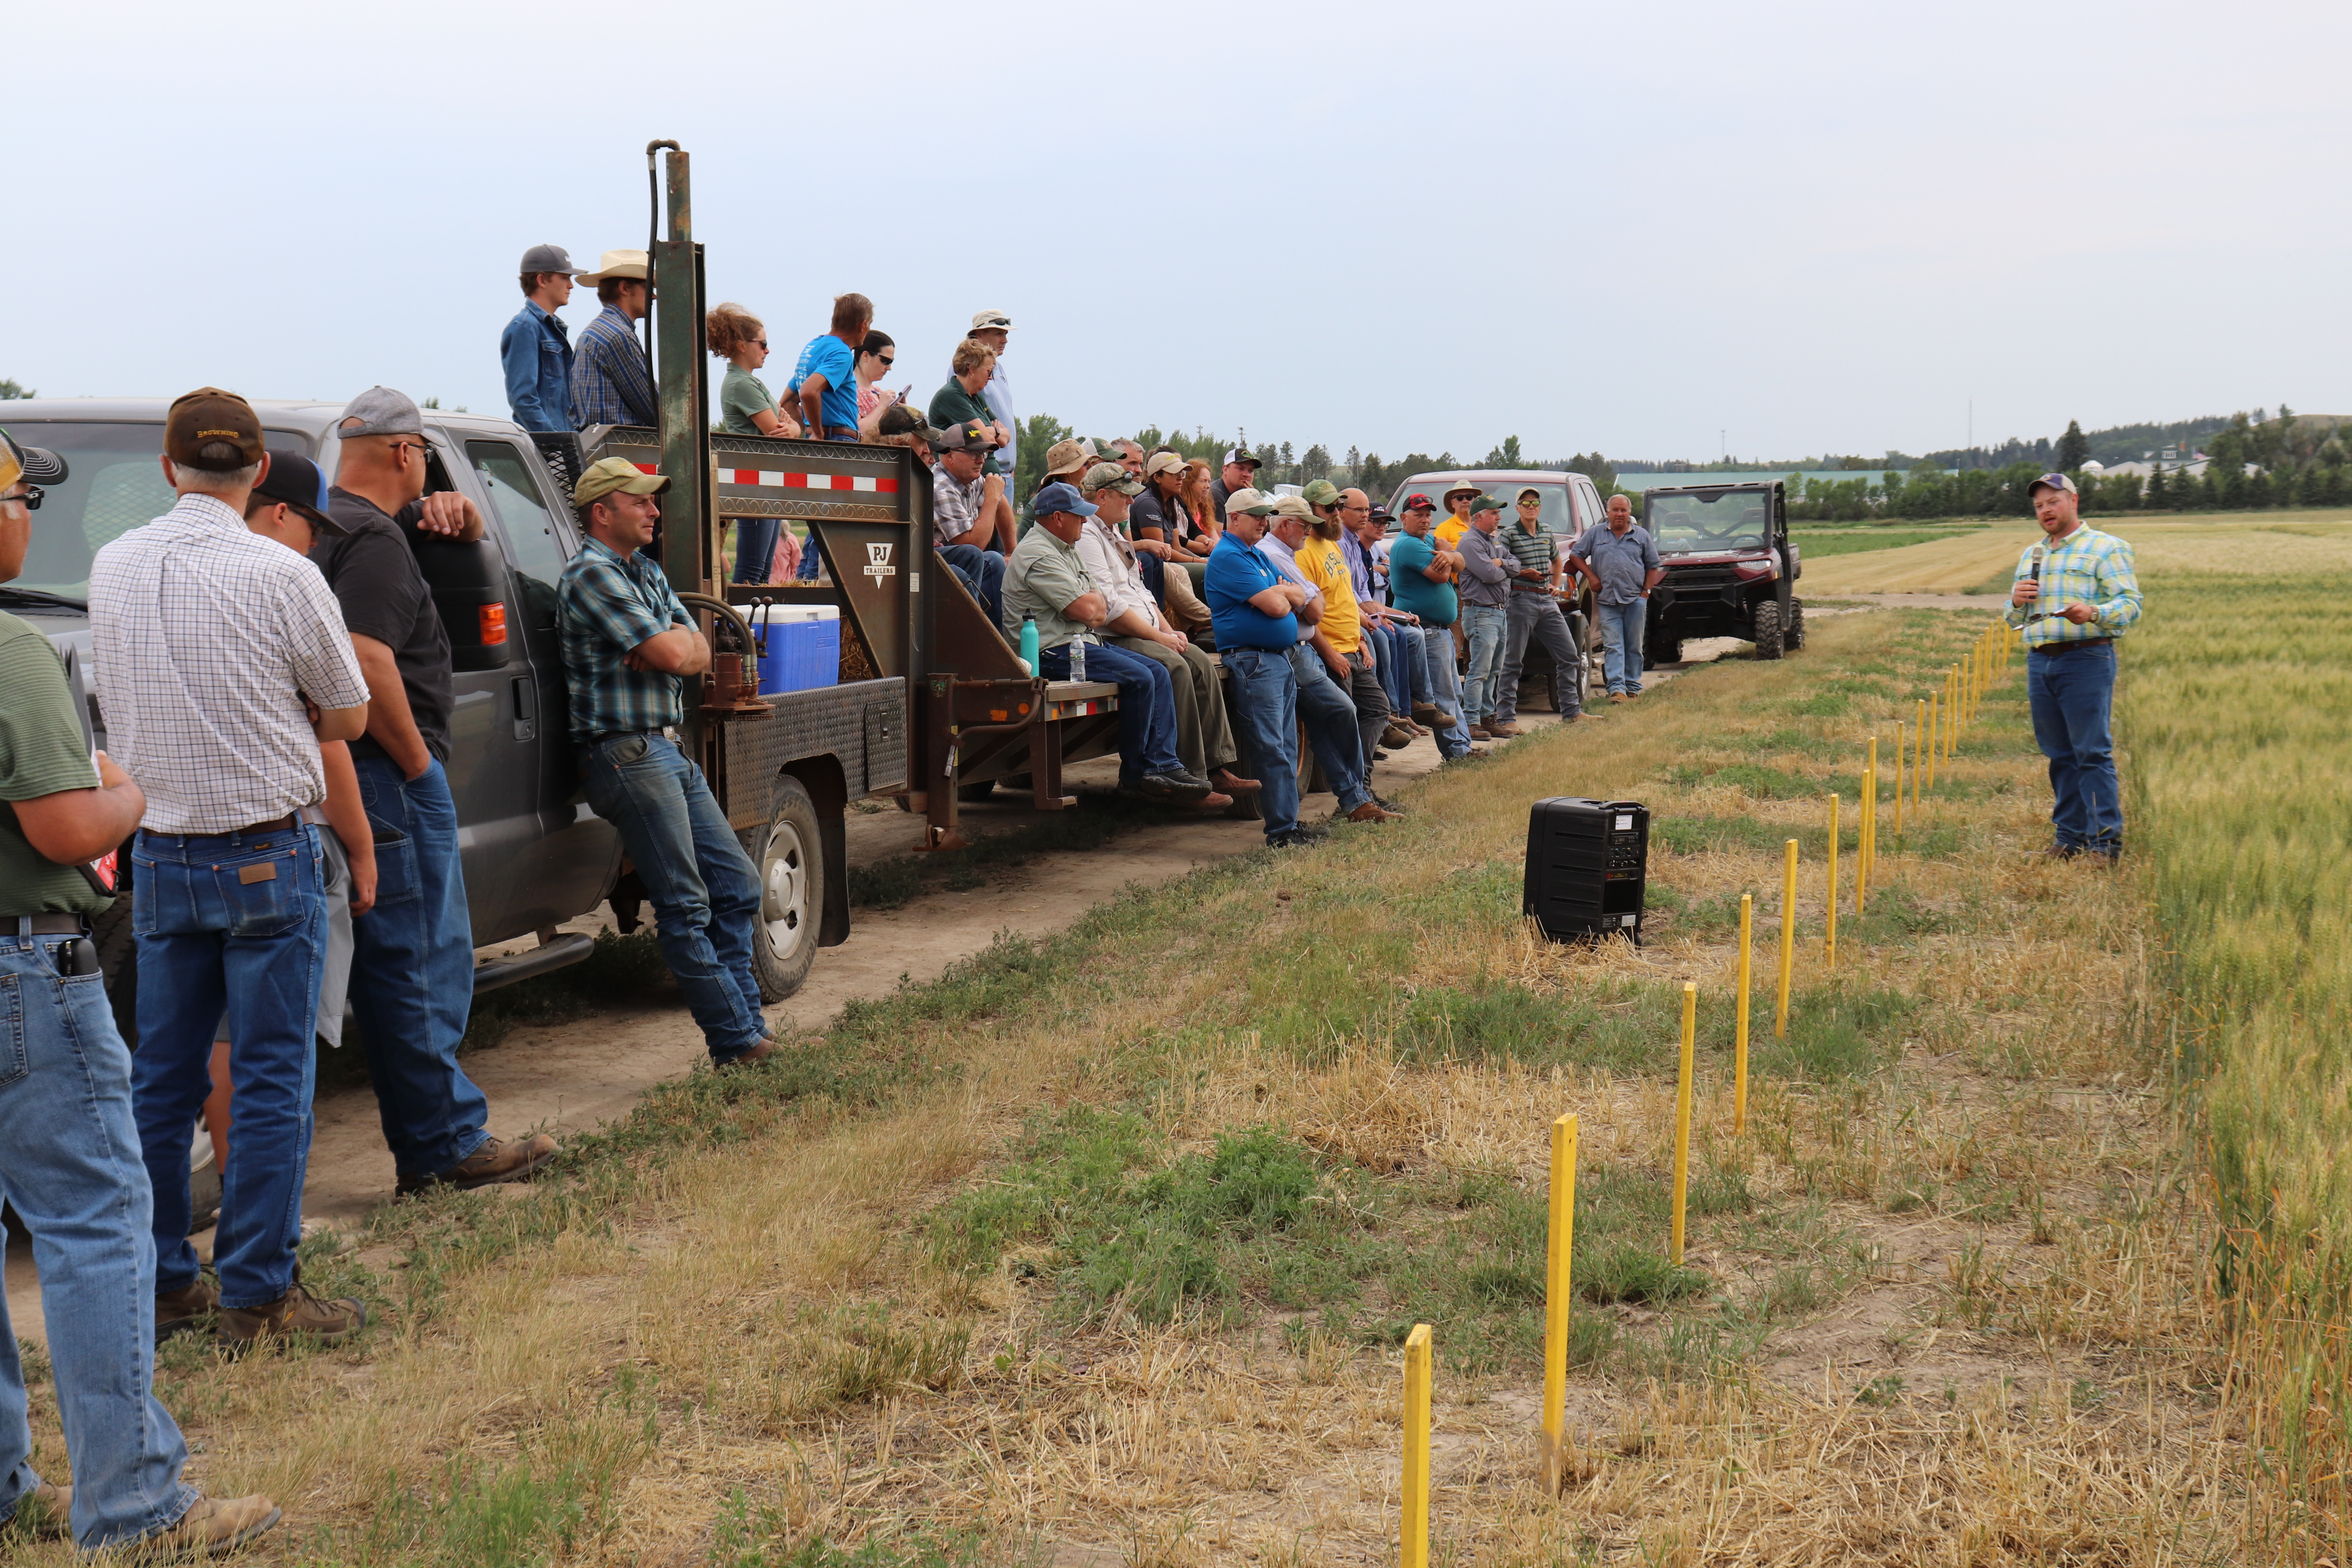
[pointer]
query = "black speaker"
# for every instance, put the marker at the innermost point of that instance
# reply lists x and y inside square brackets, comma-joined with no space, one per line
[1587,865]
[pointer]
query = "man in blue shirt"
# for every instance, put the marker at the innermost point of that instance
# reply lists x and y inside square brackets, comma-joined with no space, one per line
[535,349]
[1256,615]
[825,379]
[612,381]
[1622,561]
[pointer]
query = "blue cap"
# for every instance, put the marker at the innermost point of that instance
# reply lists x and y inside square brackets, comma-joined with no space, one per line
[1060,497]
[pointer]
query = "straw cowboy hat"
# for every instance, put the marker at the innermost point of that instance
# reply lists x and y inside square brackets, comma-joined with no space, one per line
[615,264]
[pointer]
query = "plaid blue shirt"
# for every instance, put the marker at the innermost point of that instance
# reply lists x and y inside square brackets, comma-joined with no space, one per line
[605,606]
[2087,567]
[610,382]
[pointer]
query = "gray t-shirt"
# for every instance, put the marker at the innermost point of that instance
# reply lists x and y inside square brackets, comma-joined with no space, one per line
[1486,567]
[1623,564]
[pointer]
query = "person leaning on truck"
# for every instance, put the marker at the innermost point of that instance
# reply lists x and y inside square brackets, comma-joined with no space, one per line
[627,643]
[1622,561]
[69,1164]
[612,381]
[412,957]
[2070,664]
[535,349]
[213,647]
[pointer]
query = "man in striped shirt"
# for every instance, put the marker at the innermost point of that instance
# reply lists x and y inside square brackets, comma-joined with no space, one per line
[2074,595]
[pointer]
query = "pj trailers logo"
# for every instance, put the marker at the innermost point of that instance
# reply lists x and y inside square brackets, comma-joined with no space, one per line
[877,561]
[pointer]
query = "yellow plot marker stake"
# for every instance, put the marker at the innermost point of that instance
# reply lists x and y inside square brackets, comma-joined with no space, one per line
[1416,1447]
[1739,1046]
[1933,731]
[1558,1254]
[1683,1114]
[1865,848]
[1898,786]
[1919,752]
[1787,936]
[1829,928]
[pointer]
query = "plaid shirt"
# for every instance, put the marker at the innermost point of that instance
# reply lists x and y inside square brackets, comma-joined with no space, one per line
[610,383]
[2087,567]
[208,636]
[605,606]
[955,508]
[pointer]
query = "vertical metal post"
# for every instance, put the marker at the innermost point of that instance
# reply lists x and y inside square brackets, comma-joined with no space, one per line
[686,548]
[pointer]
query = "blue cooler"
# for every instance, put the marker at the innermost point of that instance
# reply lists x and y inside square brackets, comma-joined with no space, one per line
[803,646]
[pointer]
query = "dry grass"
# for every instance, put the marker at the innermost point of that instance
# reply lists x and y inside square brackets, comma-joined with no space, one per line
[2256,544]
[1954,1309]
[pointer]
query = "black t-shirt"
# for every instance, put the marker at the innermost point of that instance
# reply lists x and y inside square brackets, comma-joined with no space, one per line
[373,572]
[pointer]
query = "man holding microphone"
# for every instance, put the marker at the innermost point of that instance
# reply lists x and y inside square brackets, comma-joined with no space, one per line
[2075,594]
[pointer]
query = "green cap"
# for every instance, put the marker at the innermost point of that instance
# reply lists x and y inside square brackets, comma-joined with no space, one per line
[1320,492]
[1486,503]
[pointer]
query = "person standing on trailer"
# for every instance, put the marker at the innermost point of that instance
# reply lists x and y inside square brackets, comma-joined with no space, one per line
[535,350]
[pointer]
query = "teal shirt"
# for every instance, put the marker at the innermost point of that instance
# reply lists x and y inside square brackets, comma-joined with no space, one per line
[742,395]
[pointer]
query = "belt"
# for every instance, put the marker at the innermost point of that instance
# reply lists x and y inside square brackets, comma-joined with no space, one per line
[286,824]
[1529,588]
[2054,648]
[46,925]
[666,731]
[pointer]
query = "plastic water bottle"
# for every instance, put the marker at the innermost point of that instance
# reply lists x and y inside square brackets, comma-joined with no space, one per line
[1078,659]
[1029,642]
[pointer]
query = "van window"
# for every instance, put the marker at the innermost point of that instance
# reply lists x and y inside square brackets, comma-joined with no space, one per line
[534,542]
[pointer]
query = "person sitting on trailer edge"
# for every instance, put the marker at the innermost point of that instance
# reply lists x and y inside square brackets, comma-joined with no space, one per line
[627,644]
[1047,582]
[964,510]
[1256,612]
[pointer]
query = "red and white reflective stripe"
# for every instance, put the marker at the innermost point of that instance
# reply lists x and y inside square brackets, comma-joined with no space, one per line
[772,478]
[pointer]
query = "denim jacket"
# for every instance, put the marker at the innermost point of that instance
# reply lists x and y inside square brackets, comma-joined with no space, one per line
[537,353]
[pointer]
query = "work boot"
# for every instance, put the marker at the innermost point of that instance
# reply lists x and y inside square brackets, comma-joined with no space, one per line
[1227,783]
[753,1057]
[496,1160]
[52,1507]
[1479,733]
[1373,811]
[1397,738]
[1620,697]
[177,1311]
[296,1312]
[1426,713]
[1391,807]
[1299,837]
[1503,729]
[213,1526]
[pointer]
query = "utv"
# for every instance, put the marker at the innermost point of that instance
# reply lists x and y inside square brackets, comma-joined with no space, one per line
[1731,569]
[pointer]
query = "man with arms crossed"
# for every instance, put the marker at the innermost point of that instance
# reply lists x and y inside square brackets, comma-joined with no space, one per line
[68,1162]
[2075,594]
[1420,575]
[1533,611]
[1255,616]
[1486,567]
[1622,561]
[214,645]
[412,957]
[627,644]
[1323,704]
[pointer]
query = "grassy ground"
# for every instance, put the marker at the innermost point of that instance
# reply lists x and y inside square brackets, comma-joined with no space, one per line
[1101,1251]
[1981,560]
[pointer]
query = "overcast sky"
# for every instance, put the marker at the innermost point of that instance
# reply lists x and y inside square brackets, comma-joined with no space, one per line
[1404,228]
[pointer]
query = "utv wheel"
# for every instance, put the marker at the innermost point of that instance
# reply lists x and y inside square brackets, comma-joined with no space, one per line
[1768,629]
[790,858]
[1666,650]
[1795,635]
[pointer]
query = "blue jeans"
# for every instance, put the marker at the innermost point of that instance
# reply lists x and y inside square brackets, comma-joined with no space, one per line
[1147,705]
[1486,626]
[982,571]
[237,922]
[755,547]
[809,558]
[1438,664]
[413,972]
[1265,715]
[1386,647]
[1621,626]
[2071,695]
[704,888]
[70,1165]
[1330,715]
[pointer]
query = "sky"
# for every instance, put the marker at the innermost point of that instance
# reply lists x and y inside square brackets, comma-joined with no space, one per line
[1655,231]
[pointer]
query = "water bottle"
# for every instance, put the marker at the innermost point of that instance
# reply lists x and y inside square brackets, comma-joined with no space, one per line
[1078,659]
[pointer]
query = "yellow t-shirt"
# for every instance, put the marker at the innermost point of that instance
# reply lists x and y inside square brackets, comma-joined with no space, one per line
[1320,562]
[1449,532]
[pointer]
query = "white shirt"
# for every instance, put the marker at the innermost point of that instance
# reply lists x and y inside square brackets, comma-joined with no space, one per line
[1286,565]
[998,396]
[207,637]
[1112,566]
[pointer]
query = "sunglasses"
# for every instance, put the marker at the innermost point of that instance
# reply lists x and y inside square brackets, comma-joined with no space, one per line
[31,495]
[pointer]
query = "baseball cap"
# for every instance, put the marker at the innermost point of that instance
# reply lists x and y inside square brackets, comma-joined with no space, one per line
[33,465]
[969,435]
[1289,506]
[1110,476]
[1059,497]
[208,417]
[1383,515]
[1248,503]
[1486,503]
[547,258]
[298,481]
[1419,502]
[1321,492]
[1161,462]
[984,321]
[381,411]
[900,420]
[1530,490]
[608,475]
[1241,455]
[2056,482]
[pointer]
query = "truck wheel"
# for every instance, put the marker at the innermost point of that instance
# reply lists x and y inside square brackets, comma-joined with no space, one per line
[1662,650]
[790,857]
[1768,629]
[1795,635]
[118,968]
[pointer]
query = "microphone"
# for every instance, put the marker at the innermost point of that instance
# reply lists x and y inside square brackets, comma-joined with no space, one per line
[2039,614]
[2037,564]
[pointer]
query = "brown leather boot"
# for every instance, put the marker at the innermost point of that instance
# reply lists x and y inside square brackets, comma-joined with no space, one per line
[752,1058]
[1503,729]
[494,1162]
[1373,811]
[1396,738]
[178,1312]
[296,1312]
[212,1527]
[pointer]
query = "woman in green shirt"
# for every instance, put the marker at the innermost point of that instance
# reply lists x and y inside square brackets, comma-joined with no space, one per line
[748,409]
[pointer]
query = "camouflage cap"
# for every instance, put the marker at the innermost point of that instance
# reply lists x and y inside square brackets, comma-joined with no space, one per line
[1110,476]
[1069,457]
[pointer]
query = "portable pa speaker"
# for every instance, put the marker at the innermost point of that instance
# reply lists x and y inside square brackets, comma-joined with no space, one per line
[1587,865]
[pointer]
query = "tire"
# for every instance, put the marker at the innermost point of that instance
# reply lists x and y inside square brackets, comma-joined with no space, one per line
[1666,651]
[1766,629]
[118,968]
[1795,635]
[789,854]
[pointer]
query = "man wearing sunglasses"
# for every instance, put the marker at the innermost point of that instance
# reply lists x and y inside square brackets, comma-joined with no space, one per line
[1533,612]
